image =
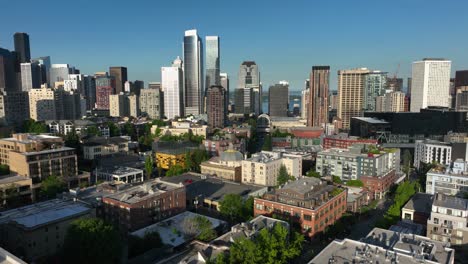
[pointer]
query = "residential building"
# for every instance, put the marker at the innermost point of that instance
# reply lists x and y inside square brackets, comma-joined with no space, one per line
[102,146]
[218,144]
[430,84]
[168,154]
[248,94]
[14,108]
[142,205]
[305,100]
[120,174]
[150,102]
[333,100]
[204,191]
[263,167]
[379,185]
[449,219]
[224,81]
[212,62]
[308,201]
[172,83]
[278,99]
[386,246]
[38,230]
[215,107]
[418,209]
[22,47]
[120,76]
[380,103]
[351,85]
[193,73]
[344,141]
[450,180]
[318,92]
[42,103]
[133,105]
[429,151]
[15,190]
[394,102]
[30,76]
[118,105]
[356,199]
[227,166]
[183,127]
[105,86]
[375,83]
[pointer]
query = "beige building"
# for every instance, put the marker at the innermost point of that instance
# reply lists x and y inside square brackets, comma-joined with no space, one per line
[133,105]
[178,128]
[449,219]
[102,146]
[227,166]
[351,94]
[263,167]
[15,189]
[39,230]
[117,105]
[395,102]
[150,103]
[42,103]
[25,143]
[380,103]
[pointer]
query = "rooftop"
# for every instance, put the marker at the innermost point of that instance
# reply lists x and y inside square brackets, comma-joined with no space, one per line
[30,138]
[385,246]
[96,141]
[119,170]
[47,151]
[303,185]
[453,202]
[420,202]
[142,192]
[12,179]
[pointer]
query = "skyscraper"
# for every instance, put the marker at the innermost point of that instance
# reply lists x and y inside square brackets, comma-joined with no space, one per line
[44,66]
[212,61]
[278,99]
[120,75]
[7,71]
[193,73]
[58,73]
[215,108]
[22,47]
[305,100]
[89,86]
[374,85]
[395,84]
[104,88]
[150,103]
[430,84]
[172,84]
[319,88]
[350,94]
[30,76]
[249,99]
[461,90]
[224,81]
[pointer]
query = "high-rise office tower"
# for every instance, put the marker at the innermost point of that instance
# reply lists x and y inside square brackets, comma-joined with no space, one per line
[137,87]
[59,73]
[212,61]
[44,67]
[30,76]
[215,108]
[89,86]
[250,99]
[224,82]
[22,47]
[193,73]
[430,84]
[350,94]
[150,103]
[14,108]
[305,100]
[42,104]
[319,88]
[461,90]
[374,85]
[172,85]
[461,78]
[155,85]
[278,99]
[395,84]
[408,87]
[8,81]
[333,101]
[120,75]
[128,86]
[118,105]
[105,86]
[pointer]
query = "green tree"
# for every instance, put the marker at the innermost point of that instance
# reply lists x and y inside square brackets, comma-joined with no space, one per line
[337,179]
[31,126]
[114,130]
[149,166]
[4,169]
[159,123]
[278,133]
[193,159]
[407,159]
[129,130]
[91,240]
[93,131]
[51,186]
[313,173]
[175,169]
[248,208]
[232,207]
[283,175]
[138,245]
[267,144]
[355,183]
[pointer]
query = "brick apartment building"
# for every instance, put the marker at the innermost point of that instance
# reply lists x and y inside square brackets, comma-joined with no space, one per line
[377,186]
[139,206]
[343,141]
[308,201]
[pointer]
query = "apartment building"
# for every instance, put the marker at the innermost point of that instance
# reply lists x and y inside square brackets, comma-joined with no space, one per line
[449,180]
[310,202]
[227,166]
[343,141]
[170,153]
[101,146]
[263,167]
[429,151]
[449,219]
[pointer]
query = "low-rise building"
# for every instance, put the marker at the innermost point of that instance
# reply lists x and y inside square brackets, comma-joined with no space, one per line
[39,230]
[139,206]
[101,146]
[263,167]
[417,209]
[308,201]
[227,166]
[344,141]
[171,153]
[378,186]
[429,151]
[216,145]
[449,219]
[448,180]
[385,246]
[207,192]
[178,128]
[120,174]
[356,199]
[15,190]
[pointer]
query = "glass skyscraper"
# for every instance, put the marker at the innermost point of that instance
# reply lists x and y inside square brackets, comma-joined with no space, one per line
[212,62]
[193,69]
[375,84]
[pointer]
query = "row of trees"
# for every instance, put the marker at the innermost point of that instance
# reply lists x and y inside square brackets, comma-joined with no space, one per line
[193,160]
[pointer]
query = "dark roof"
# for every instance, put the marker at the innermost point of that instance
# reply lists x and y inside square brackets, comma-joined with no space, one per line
[452,202]
[174,147]
[249,63]
[96,141]
[420,202]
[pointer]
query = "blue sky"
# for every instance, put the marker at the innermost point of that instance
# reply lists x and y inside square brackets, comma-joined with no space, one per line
[285,38]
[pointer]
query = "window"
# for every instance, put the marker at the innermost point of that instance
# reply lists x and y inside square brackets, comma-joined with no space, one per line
[407,216]
[436,221]
[307,217]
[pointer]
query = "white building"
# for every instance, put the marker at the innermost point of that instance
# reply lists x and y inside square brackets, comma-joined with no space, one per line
[117,106]
[42,103]
[120,174]
[102,146]
[30,76]
[172,85]
[395,102]
[263,167]
[450,181]
[430,84]
[305,94]
[429,151]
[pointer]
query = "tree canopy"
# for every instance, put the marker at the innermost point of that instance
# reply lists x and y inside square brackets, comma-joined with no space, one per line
[337,179]
[355,183]
[149,166]
[313,173]
[31,126]
[114,130]
[283,175]
[194,158]
[138,245]
[175,169]
[91,240]
[51,186]
[267,143]
[234,208]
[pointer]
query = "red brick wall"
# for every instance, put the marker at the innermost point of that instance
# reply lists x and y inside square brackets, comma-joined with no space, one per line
[379,185]
[344,143]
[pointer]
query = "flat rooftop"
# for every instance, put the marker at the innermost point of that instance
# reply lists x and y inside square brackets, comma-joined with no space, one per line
[142,192]
[46,151]
[42,213]
[450,202]
[120,171]
[32,138]
[12,179]
[371,120]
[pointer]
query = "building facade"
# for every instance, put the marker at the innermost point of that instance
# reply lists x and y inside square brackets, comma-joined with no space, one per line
[150,103]
[351,94]
[120,76]
[429,151]
[449,180]
[105,86]
[248,91]
[30,76]
[172,82]
[42,103]
[319,92]
[215,107]
[278,99]
[193,73]
[375,84]
[212,62]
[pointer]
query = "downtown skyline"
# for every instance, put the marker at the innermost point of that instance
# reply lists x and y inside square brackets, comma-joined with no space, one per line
[283,49]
